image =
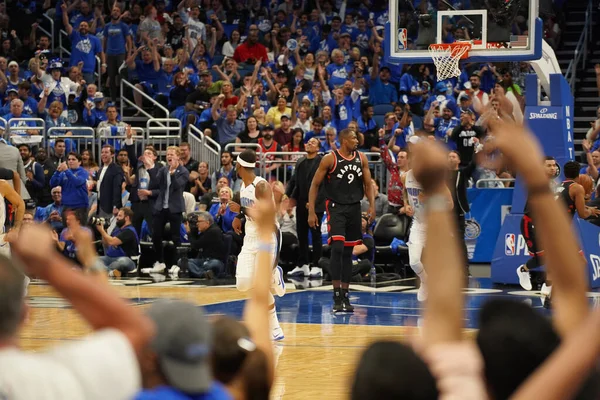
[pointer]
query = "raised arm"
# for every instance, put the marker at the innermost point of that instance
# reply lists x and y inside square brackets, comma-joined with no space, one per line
[65,18]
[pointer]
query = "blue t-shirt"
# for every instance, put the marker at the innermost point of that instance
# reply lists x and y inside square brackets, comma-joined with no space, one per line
[408,84]
[441,129]
[116,38]
[146,72]
[84,48]
[216,392]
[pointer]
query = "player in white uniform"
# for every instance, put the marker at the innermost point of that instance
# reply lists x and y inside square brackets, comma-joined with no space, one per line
[413,207]
[256,189]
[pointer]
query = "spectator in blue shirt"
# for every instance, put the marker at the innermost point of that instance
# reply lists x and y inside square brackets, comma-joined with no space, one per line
[84,47]
[318,132]
[94,110]
[117,40]
[147,69]
[30,105]
[52,213]
[382,91]
[410,85]
[221,212]
[338,71]
[72,178]
[331,142]
[445,124]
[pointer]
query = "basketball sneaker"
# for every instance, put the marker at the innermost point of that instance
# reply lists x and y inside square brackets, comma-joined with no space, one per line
[422,292]
[26,285]
[114,273]
[174,271]
[545,294]
[276,331]
[346,306]
[157,268]
[524,277]
[278,284]
[300,271]
[337,300]
[316,272]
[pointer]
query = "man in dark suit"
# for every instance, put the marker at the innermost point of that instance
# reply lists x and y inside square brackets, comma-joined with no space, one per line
[109,179]
[297,189]
[167,185]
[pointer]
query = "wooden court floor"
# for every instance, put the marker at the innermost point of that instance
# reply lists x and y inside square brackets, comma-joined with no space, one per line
[317,357]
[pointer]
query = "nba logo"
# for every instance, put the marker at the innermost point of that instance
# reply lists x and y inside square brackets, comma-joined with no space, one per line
[402,39]
[509,244]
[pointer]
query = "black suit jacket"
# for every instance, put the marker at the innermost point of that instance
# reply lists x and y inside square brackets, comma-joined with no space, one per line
[299,186]
[110,188]
[158,186]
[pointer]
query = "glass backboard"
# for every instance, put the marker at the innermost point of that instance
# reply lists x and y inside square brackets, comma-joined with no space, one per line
[498,30]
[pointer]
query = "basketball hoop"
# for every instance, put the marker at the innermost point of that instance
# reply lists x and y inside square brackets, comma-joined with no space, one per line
[446,57]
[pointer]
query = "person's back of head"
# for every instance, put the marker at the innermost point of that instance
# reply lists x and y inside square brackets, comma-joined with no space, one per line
[12,291]
[392,370]
[179,354]
[235,359]
[514,340]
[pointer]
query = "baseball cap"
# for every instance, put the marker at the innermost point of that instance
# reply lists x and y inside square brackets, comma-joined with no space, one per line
[12,90]
[182,344]
[441,87]
[385,67]
[99,96]
[463,97]
[268,127]
[285,116]
[344,34]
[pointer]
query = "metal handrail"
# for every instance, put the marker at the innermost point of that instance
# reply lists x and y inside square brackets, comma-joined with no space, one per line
[78,138]
[51,33]
[61,48]
[209,151]
[99,72]
[231,147]
[494,180]
[124,100]
[103,137]
[581,49]
[162,127]
[9,129]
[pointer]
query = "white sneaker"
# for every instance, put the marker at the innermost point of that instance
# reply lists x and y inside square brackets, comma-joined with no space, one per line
[300,271]
[157,278]
[277,333]
[545,292]
[316,272]
[315,283]
[422,292]
[524,277]
[278,284]
[157,268]
[174,271]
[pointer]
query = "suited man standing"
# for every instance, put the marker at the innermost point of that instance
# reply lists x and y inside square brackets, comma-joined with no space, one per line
[167,185]
[297,189]
[109,179]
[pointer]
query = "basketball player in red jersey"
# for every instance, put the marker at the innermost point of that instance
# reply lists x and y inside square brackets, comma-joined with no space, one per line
[348,178]
[572,195]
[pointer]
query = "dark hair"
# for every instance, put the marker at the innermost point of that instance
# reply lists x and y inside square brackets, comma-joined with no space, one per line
[112,149]
[514,340]
[12,288]
[127,212]
[457,153]
[248,155]
[549,158]
[571,169]
[392,370]
[24,145]
[318,120]
[57,141]
[229,360]
[184,144]
[74,154]
[344,133]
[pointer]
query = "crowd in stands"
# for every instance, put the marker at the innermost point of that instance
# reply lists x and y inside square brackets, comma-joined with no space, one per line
[271,76]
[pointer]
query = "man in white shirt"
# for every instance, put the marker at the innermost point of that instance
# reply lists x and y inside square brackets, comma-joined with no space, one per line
[103,365]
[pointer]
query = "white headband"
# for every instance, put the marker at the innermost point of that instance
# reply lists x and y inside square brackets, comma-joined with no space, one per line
[244,163]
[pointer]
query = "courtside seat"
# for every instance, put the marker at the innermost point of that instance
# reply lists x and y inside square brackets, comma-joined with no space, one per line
[388,227]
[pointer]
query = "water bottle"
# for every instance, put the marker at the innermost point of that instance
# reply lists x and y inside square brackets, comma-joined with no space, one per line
[373,275]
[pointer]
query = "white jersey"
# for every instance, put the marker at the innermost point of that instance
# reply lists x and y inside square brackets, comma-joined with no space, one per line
[415,190]
[248,200]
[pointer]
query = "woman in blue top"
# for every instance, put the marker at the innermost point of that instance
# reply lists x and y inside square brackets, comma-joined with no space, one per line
[72,178]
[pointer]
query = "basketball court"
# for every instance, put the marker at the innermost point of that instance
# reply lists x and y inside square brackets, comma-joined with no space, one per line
[315,338]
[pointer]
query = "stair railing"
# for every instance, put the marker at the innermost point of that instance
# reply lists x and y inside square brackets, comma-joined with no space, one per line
[581,50]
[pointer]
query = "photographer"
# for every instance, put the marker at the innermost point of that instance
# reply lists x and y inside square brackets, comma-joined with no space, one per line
[122,244]
[206,239]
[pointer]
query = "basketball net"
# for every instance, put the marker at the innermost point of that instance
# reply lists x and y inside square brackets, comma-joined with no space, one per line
[446,58]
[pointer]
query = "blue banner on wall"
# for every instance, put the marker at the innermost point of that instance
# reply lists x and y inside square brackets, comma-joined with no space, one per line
[511,250]
[484,220]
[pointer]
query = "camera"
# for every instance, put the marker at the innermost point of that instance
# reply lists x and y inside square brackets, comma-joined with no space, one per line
[98,221]
[425,20]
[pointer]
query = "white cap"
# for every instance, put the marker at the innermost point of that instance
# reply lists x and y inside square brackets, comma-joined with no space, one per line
[414,139]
